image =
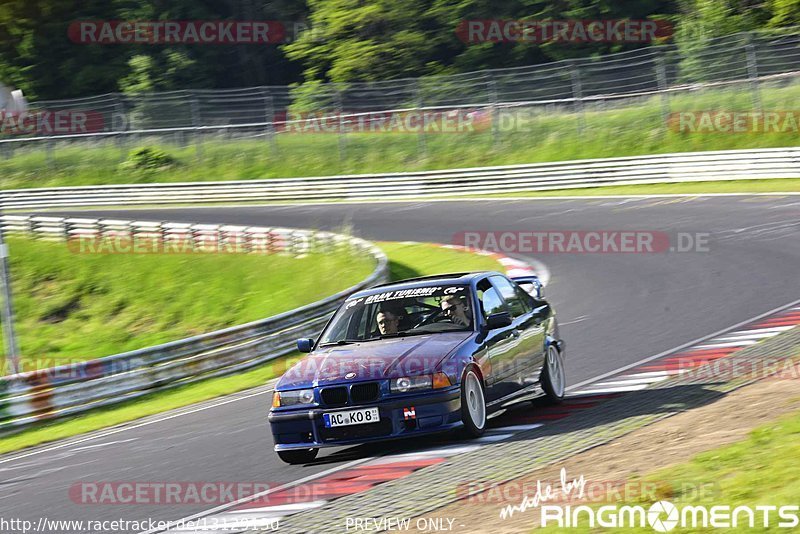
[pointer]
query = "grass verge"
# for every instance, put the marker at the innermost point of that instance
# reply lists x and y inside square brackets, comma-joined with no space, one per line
[761,470]
[74,307]
[405,261]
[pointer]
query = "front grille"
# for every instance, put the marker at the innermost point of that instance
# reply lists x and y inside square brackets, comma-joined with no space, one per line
[367,392]
[371,430]
[334,396]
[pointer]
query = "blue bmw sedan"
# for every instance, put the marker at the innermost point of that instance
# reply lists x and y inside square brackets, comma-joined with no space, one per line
[419,356]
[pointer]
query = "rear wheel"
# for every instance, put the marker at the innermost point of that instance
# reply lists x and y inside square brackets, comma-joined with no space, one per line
[301,456]
[553,378]
[473,404]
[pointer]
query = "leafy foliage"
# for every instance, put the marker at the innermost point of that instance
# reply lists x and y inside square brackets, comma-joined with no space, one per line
[350,40]
[148,158]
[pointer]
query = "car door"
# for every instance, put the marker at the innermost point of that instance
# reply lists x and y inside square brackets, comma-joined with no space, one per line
[528,327]
[500,345]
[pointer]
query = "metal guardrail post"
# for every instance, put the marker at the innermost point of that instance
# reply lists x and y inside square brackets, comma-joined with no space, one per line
[752,73]
[492,89]
[269,119]
[661,79]
[196,123]
[11,345]
[422,145]
[340,133]
[577,95]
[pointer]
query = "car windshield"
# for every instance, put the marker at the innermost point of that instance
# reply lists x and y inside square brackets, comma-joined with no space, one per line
[401,312]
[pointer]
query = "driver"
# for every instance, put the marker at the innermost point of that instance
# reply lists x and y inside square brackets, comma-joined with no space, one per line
[388,322]
[455,309]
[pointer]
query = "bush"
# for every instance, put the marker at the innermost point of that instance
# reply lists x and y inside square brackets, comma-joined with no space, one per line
[148,158]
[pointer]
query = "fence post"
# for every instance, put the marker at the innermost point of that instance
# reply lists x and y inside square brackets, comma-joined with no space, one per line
[752,72]
[119,124]
[495,112]
[661,79]
[422,145]
[195,108]
[340,133]
[269,118]
[577,95]
[49,148]
[12,348]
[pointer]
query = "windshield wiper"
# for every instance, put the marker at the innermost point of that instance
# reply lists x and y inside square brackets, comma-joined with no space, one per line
[341,342]
[406,333]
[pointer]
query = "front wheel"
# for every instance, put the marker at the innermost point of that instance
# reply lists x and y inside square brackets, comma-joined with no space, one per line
[300,456]
[553,377]
[473,405]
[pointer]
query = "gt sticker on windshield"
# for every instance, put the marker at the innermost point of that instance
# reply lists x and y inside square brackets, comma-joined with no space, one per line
[406,293]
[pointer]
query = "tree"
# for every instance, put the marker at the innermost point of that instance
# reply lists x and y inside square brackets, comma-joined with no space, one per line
[37,56]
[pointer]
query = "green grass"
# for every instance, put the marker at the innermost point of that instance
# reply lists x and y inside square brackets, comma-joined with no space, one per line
[74,307]
[405,261]
[782,185]
[608,131]
[761,470]
[408,261]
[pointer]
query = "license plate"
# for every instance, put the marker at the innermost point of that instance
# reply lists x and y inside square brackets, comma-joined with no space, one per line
[351,417]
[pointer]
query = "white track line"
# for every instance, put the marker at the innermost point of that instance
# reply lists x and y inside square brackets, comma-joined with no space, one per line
[776,329]
[746,337]
[741,343]
[615,389]
[654,374]
[681,347]
[632,381]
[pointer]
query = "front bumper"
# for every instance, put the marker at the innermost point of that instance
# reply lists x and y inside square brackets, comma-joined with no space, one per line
[435,411]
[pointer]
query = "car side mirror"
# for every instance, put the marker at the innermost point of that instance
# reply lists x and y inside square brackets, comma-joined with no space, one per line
[534,288]
[305,344]
[498,320]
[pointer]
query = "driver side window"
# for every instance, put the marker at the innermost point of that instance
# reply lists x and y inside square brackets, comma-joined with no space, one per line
[490,299]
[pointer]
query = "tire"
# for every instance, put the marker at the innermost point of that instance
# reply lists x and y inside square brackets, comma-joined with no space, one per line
[553,379]
[473,404]
[300,456]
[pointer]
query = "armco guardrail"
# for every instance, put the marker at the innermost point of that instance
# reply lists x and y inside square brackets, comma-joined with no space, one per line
[680,167]
[35,395]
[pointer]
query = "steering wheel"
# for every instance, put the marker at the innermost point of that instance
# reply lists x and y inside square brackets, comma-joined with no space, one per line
[432,318]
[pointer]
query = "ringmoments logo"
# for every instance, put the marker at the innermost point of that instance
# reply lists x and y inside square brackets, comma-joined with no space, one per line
[661,516]
[664,516]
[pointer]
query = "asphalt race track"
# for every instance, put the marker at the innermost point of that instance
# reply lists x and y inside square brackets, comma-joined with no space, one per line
[614,309]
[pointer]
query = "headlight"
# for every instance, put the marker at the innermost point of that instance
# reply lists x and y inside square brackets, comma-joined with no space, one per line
[291,398]
[410,383]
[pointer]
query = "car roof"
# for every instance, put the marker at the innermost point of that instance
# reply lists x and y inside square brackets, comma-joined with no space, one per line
[424,281]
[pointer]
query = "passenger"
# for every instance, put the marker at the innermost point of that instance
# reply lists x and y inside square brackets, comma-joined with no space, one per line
[456,310]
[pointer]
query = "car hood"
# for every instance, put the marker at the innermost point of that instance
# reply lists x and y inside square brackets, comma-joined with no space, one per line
[372,360]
